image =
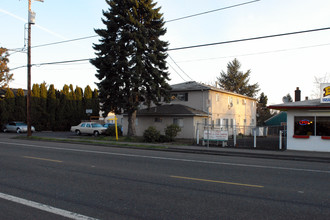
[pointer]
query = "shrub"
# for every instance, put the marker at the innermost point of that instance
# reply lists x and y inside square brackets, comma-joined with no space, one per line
[172,131]
[163,138]
[151,134]
[111,131]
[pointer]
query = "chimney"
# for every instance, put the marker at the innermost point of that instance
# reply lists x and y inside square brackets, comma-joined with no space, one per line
[297,94]
[306,98]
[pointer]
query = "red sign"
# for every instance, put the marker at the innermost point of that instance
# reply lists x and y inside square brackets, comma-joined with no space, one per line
[305,122]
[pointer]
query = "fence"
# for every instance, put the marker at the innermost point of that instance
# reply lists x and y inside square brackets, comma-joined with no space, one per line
[267,137]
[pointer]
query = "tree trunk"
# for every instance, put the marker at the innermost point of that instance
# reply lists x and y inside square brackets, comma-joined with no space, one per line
[131,124]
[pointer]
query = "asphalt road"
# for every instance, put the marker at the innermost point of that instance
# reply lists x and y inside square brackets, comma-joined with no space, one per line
[41,180]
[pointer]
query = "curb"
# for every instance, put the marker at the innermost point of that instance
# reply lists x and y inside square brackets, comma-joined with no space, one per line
[252,155]
[209,152]
[231,153]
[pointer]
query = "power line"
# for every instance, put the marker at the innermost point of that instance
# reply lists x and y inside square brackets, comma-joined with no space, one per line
[196,46]
[53,63]
[252,54]
[207,12]
[65,41]
[249,39]
[176,72]
[176,19]
[180,68]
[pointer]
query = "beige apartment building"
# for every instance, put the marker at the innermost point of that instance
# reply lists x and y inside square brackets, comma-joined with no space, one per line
[194,105]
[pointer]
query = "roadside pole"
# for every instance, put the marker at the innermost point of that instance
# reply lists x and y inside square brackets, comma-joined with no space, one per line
[31,20]
[197,134]
[280,144]
[116,128]
[255,138]
[28,98]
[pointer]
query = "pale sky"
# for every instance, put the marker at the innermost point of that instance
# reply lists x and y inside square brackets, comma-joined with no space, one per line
[278,65]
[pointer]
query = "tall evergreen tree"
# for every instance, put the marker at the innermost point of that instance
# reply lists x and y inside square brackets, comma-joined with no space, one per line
[51,107]
[72,95]
[78,93]
[236,81]
[10,104]
[95,103]
[67,107]
[65,91]
[79,102]
[43,117]
[20,106]
[74,105]
[3,113]
[35,92]
[131,58]
[88,95]
[263,113]
[60,112]
[36,109]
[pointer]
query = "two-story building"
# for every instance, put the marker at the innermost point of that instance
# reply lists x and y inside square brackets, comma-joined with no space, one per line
[195,104]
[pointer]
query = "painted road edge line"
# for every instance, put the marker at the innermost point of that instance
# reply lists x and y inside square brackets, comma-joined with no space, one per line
[217,181]
[46,208]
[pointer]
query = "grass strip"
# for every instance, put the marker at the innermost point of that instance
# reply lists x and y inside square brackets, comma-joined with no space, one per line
[89,141]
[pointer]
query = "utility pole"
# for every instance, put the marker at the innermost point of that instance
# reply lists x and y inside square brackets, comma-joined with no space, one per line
[28,103]
[31,20]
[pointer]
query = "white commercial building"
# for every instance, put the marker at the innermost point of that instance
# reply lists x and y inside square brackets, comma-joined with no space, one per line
[308,122]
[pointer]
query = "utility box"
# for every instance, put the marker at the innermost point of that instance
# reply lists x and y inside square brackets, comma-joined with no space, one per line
[32,17]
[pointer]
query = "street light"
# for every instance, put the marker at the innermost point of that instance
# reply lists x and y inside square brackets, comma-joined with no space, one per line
[31,17]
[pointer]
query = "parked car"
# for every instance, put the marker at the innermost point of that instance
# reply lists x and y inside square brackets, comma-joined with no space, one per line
[88,128]
[17,126]
[113,125]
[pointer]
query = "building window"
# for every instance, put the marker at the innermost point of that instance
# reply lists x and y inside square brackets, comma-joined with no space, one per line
[218,121]
[178,121]
[322,126]
[226,123]
[158,119]
[217,97]
[304,125]
[231,123]
[180,96]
